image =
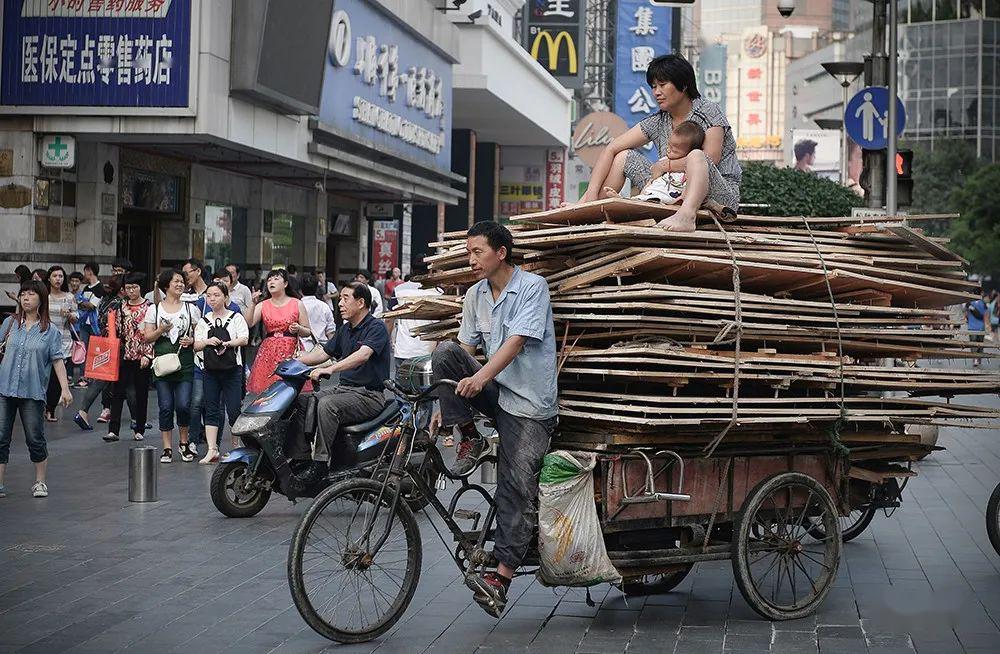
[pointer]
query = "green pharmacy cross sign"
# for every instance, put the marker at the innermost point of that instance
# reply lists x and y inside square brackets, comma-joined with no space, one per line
[58,151]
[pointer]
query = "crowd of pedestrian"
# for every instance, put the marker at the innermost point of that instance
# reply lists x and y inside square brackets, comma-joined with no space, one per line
[200,339]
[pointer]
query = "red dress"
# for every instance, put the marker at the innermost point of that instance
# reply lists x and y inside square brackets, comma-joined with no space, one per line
[278,344]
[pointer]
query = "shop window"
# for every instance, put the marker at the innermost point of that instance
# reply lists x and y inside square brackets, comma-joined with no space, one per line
[225,235]
[287,240]
[992,8]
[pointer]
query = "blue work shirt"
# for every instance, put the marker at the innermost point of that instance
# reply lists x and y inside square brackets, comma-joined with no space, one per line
[528,383]
[977,324]
[28,359]
[371,332]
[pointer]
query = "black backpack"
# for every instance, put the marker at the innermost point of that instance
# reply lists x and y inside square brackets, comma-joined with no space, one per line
[221,358]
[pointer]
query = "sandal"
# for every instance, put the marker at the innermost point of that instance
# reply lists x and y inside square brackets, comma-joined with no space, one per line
[209,458]
[449,441]
[50,417]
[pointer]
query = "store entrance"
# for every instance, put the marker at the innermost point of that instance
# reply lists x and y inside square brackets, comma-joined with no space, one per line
[136,242]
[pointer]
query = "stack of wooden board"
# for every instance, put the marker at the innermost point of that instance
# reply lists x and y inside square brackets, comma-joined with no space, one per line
[824,328]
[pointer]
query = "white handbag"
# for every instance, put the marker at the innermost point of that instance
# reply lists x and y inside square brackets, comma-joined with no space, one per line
[166,364]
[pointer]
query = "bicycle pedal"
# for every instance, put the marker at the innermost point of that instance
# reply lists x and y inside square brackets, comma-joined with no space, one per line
[466,514]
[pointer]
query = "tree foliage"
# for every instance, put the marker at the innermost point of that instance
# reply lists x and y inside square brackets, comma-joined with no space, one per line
[976,235]
[790,192]
[937,175]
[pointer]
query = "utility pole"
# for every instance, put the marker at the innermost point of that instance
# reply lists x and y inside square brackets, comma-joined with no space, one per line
[890,150]
[874,160]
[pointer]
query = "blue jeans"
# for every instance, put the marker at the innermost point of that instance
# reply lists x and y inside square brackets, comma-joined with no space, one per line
[197,431]
[31,420]
[223,395]
[173,397]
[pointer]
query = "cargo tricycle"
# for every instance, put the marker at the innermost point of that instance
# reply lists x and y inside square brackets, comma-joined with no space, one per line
[355,557]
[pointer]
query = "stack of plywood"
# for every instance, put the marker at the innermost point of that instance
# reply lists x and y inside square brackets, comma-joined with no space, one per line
[827,322]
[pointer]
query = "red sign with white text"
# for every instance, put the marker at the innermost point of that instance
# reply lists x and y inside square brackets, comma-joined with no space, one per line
[385,245]
[555,178]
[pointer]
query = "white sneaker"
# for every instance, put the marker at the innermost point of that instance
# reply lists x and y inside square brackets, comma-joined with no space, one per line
[39,489]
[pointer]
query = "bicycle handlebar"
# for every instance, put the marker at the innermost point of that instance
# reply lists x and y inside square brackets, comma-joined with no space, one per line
[416,397]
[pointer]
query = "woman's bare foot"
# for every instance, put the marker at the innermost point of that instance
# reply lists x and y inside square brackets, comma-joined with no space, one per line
[608,192]
[682,221]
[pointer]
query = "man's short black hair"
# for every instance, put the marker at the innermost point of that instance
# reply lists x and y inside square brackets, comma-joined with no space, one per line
[675,69]
[364,273]
[234,265]
[124,264]
[76,274]
[195,263]
[359,291]
[496,235]
[291,269]
[93,267]
[804,148]
[308,284]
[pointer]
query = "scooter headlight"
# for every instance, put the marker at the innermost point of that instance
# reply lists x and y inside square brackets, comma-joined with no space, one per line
[246,424]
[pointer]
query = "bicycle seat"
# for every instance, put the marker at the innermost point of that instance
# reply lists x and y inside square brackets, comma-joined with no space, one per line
[390,411]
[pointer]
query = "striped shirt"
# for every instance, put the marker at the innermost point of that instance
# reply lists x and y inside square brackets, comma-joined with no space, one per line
[658,127]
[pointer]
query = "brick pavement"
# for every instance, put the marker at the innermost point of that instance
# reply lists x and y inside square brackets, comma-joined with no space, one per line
[86,572]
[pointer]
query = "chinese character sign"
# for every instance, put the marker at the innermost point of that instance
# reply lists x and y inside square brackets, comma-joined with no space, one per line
[752,130]
[110,53]
[384,85]
[645,31]
[385,245]
[712,74]
[555,178]
[554,38]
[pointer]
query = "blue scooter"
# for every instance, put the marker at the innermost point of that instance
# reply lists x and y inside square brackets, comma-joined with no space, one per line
[243,481]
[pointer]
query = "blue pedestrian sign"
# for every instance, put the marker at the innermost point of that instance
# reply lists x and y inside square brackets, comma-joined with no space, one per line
[867,117]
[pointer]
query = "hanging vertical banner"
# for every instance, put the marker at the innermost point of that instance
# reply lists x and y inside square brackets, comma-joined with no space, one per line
[555,178]
[754,75]
[712,74]
[645,31]
[385,245]
[554,38]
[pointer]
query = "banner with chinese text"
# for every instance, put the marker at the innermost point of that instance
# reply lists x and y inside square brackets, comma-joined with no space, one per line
[755,69]
[385,245]
[554,38]
[107,53]
[555,178]
[645,31]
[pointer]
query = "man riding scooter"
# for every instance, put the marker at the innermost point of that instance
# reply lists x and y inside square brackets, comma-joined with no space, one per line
[360,350]
[508,314]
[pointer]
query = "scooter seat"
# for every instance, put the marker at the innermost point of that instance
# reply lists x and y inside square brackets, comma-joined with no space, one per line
[388,412]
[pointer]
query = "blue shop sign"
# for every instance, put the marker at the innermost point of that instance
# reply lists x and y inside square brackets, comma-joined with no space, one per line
[96,53]
[645,31]
[385,87]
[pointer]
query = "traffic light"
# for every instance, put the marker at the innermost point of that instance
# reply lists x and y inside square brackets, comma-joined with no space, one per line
[904,180]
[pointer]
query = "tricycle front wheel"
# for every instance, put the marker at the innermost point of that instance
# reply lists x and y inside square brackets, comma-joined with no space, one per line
[782,571]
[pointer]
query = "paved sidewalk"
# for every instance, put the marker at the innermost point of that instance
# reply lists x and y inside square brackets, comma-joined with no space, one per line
[86,572]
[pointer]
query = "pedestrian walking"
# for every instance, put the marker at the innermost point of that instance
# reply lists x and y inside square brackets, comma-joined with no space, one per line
[218,337]
[136,358]
[285,322]
[321,321]
[76,370]
[22,274]
[239,292]
[993,311]
[111,300]
[169,326]
[62,316]
[976,319]
[31,353]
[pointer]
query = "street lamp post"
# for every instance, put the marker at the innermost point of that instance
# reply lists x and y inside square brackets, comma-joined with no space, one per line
[844,72]
[890,151]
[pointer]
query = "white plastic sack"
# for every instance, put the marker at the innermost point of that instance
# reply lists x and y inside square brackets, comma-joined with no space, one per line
[570,542]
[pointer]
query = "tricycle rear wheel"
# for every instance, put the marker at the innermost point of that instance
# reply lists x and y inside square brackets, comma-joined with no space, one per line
[782,573]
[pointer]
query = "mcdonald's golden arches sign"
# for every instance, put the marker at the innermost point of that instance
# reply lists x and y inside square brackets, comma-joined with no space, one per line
[554,38]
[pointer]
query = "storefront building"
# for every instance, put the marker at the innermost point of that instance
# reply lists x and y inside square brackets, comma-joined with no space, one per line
[159,130]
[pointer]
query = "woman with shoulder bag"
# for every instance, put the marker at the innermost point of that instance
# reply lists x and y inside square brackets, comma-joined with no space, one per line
[169,326]
[110,301]
[218,338]
[30,352]
[136,358]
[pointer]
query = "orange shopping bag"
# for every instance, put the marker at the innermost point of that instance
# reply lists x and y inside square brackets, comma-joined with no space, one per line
[103,354]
